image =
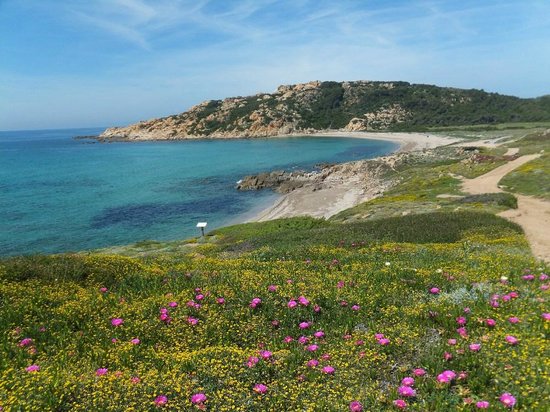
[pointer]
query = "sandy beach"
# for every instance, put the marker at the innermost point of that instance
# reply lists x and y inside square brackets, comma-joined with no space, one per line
[350,184]
[407,141]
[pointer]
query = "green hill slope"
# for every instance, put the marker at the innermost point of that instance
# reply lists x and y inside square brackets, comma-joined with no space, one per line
[353,106]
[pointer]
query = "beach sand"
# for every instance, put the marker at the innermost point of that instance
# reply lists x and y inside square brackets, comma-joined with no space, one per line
[348,187]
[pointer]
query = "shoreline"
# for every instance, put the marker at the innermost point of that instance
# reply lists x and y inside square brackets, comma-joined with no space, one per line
[349,185]
[408,141]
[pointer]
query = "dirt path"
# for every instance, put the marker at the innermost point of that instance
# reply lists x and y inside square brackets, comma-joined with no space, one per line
[532,214]
[488,183]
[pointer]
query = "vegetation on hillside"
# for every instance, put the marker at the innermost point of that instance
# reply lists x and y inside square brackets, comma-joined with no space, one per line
[341,320]
[357,105]
[439,309]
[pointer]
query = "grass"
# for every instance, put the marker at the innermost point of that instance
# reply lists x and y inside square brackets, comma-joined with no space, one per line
[385,268]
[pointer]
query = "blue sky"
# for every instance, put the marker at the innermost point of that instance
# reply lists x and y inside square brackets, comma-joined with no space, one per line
[79,63]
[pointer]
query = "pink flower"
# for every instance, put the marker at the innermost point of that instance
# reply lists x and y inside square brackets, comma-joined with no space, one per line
[513,294]
[317,308]
[117,321]
[355,406]
[32,368]
[319,334]
[461,320]
[419,372]
[490,322]
[272,288]
[340,284]
[313,363]
[406,391]
[451,342]
[446,376]
[513,320]
[359,342]
[292,304]
[303,340]
[434,291]
[528,277]
[312,348]
[546,316]
[114,340]
[462,332]
[161,400]
[400,403]
[101,372]
[135,379]
[325,356]
[260,388]
[265,354]
[303,301]
[384,341]
[288,339]
[329,370]
[507,400]
[198,398]
[512,340]
[25,342]
[255,303]
[192,321]
[103,290]
[135,341]
[407,381]
[475,347]
[447,356]
[199,297]
[252,361]
[220,301]
[543,277]
[379,336]
[304,325]
[355,307]
[482,405]
[173,304]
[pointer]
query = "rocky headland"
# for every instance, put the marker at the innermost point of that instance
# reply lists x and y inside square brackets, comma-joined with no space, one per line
[316,106]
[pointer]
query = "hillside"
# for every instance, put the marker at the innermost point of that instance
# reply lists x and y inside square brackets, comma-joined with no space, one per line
[351,106]
[413,301]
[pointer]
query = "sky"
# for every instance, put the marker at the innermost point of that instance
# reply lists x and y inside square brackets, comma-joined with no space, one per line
[85,63]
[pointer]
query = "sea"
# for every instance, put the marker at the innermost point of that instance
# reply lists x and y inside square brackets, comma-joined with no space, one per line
[59,194]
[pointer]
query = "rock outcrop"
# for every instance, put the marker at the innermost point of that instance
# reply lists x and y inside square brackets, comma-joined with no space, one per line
[319,106]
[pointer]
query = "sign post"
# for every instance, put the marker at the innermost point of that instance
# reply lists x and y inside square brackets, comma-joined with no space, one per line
[201,226]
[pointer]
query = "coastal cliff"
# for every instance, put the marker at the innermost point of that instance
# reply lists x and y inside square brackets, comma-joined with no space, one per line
[350,106]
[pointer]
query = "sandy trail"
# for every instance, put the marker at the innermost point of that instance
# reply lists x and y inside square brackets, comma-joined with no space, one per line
[488,183]
[532,214]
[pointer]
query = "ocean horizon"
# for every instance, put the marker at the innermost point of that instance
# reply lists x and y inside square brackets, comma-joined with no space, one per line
[59,194]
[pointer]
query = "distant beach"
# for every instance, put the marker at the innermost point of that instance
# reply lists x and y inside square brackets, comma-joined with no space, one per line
[350,187]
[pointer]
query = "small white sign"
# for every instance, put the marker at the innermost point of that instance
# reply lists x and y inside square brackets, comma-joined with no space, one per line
[202,224]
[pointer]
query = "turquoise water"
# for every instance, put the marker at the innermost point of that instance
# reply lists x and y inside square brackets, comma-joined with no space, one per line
[58,194]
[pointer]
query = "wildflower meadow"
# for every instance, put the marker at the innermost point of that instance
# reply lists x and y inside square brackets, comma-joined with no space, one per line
[337,324]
